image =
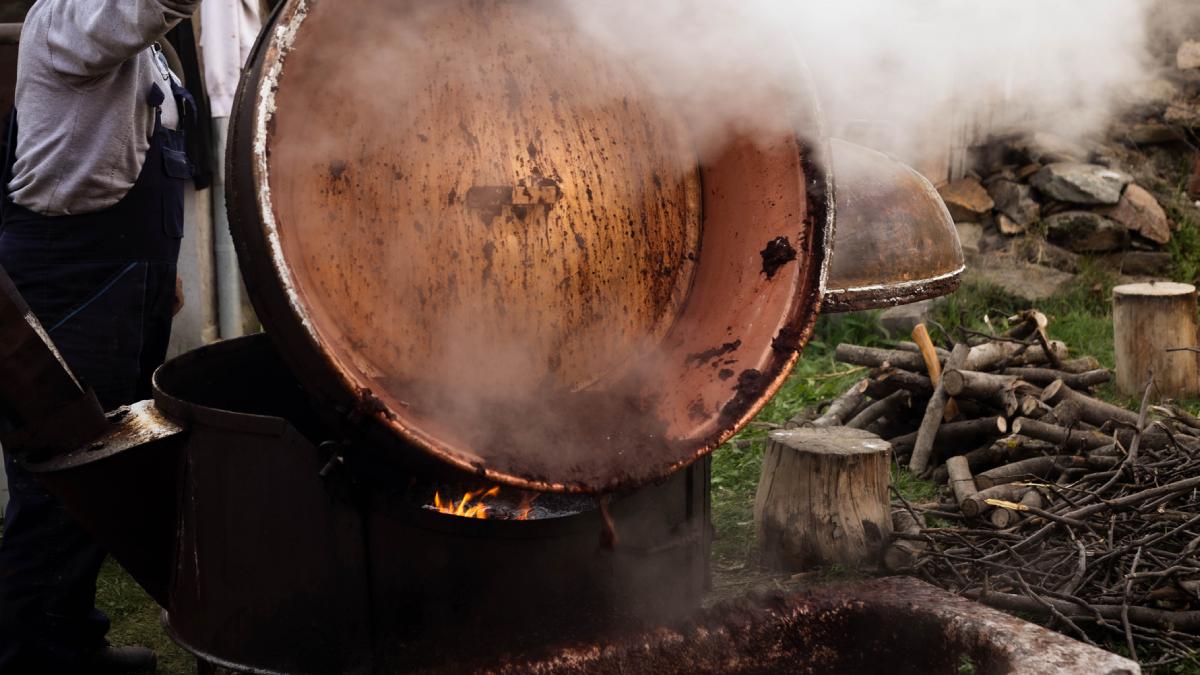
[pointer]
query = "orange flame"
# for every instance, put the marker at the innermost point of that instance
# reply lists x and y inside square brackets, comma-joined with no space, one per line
[464,508]
[473,504]
[526,506]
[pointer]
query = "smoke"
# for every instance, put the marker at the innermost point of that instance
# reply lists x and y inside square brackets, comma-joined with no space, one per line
[907,76]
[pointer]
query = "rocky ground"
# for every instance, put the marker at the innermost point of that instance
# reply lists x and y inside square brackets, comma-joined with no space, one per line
[1036,209]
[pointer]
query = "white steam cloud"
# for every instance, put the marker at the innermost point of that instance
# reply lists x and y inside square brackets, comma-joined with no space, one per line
[902,75]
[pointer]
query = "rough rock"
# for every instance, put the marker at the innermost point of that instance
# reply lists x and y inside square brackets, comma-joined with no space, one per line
[1150,95]
[1016,201]
[1085,184]
[1140,263]
[1008,226]
[1184,114]
[1188,56]
[1033,283]
[1140,212]
[969,235]
[966,199]
[1041,252]
[1028,170]
[1148,133]
[992,242]
[1047,148]
[1086,232]
[902,319]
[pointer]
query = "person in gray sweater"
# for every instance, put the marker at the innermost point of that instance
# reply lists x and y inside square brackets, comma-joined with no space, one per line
[90,225]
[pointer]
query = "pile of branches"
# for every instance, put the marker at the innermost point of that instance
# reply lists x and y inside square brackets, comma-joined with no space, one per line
[1060,505]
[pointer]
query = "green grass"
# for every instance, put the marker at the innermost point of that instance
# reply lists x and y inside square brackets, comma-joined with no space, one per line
[1080,315]
[136,620]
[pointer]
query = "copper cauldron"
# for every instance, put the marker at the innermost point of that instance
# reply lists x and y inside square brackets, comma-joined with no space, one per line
[488,261]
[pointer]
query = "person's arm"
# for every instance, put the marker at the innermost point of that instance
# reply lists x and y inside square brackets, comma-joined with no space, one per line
[88,38]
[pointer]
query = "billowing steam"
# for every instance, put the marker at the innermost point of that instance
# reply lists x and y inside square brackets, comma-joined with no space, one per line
[552,328]
[903,75]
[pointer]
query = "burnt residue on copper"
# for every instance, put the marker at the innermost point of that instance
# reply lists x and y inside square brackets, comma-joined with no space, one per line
[778,252]
[710,355]
[750,386]
[789,339]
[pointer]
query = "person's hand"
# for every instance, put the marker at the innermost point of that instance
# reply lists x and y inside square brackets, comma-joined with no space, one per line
[179,299]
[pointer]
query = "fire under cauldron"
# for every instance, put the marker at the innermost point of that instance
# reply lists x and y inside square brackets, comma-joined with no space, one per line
[487,292]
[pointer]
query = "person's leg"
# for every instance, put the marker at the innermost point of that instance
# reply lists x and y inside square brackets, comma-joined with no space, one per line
[44,560]
[157,318]
[94,312]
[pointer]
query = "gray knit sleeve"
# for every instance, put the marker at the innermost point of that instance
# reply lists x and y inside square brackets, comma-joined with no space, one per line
[89,38]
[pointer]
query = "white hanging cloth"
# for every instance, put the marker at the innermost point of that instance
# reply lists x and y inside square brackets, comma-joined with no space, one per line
[227,32]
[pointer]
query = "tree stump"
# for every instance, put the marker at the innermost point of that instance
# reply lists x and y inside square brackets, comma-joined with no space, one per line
[823,498]
[1149,319]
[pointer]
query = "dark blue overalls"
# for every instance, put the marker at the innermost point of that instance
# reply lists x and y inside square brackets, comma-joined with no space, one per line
[103,286]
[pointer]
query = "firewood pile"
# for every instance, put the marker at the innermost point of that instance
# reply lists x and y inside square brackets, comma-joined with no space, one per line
[1057,504]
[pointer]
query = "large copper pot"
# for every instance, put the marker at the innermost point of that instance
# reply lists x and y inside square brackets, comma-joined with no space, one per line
[453,238]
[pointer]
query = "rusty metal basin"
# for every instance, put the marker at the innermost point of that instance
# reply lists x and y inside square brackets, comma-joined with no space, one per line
[509,255]
[893,626]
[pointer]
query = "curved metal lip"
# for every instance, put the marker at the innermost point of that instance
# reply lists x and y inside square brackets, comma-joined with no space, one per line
[819,192]
[891,295]
[186,412]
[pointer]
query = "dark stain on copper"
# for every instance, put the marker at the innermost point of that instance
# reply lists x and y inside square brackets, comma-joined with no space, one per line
[489,252]
[471,138]
[750,387]
[790,339]
[489,200]
[712,354]
[337,169]
[779,252]
[725,374]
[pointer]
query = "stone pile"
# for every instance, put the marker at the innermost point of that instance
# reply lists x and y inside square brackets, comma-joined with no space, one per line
[1048,202]
[1036,203]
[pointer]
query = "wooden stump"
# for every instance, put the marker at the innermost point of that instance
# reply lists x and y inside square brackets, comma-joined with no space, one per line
[1149,319]
[823,498]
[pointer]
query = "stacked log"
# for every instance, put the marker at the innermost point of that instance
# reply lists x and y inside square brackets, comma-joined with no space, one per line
[1056,503]
[963,399]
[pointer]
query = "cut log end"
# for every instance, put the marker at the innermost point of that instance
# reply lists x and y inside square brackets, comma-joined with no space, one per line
[823,498]
[1150,320]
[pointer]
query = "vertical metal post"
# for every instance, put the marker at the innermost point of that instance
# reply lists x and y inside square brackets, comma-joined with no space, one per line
[233,319]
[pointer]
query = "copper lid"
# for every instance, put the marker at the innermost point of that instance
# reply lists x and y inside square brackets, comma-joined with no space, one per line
[462,222]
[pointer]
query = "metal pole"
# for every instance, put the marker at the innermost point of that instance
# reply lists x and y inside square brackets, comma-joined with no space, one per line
[10,33]
[230,318]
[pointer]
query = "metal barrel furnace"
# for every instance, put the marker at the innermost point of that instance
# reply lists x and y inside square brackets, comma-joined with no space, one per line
[506,321]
